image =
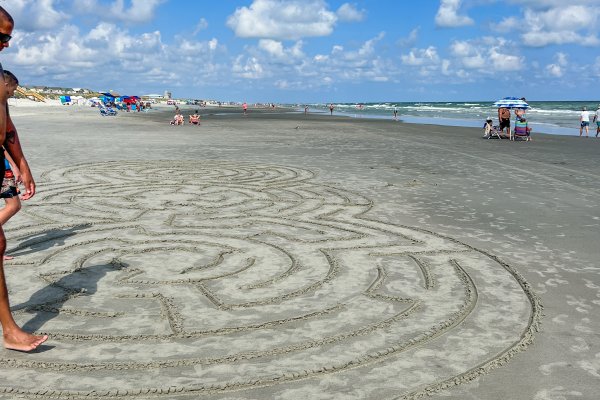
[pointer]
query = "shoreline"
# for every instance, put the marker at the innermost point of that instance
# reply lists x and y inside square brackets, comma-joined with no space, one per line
[539,128]
[545,129]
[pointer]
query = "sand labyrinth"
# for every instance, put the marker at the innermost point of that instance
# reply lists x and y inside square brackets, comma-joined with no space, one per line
[239,281]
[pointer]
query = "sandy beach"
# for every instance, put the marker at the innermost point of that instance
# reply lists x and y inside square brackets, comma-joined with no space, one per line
[290,256]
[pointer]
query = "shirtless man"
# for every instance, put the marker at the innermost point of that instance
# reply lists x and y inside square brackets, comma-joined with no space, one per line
[14,337]
[504,120]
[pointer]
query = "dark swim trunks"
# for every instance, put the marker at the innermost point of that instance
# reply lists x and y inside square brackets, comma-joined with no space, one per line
[2,173]
[9,186]
[504,123]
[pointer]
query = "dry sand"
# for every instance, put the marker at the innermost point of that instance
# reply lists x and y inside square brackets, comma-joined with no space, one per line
[285,256]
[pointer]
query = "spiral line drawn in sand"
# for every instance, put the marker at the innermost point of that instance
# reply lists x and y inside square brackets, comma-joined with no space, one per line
[186,279]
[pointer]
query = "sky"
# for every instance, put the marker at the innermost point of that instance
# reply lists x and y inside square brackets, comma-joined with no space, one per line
[311,51]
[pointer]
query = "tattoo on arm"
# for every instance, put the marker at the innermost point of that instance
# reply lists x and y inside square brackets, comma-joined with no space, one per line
[10,136]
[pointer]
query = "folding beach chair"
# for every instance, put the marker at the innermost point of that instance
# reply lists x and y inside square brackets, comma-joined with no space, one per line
[494,132]
[490,130]
[107,111]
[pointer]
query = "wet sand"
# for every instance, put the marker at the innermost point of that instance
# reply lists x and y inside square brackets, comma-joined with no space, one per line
[282,255]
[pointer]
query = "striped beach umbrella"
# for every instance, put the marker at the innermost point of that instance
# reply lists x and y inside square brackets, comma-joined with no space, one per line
[511,102]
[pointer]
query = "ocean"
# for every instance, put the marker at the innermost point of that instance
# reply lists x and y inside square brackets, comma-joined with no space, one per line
[552,117]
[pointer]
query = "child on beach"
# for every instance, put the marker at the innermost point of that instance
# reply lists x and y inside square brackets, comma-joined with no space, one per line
[10,189]
[487,126]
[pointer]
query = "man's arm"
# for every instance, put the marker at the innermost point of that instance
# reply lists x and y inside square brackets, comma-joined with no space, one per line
[13,147]
[3,105]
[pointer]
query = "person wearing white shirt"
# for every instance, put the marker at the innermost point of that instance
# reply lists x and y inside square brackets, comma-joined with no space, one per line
[584,118]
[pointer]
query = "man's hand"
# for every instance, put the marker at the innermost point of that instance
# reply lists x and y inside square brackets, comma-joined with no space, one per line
[29,184]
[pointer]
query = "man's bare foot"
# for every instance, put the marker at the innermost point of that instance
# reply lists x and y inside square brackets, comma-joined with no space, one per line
[8,257]
[23,341]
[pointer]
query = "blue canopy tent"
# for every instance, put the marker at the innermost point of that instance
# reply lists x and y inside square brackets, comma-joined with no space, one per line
[107,97]
[65,99]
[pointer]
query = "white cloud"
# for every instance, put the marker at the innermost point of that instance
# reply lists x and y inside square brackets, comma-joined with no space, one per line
[461,48]
[290,68]
[114,57]
[499,61]
[508,24]
[564,18]
[273,47]
[561,59]
[411,39]
[545,23]
[485,55]
[447,15]
[557,69]
[418,57]
[31,15]
[554,70]
[249,68]
[276,50]
[446,67]
[349,13]
[200,26]
[278,19]
[139,11]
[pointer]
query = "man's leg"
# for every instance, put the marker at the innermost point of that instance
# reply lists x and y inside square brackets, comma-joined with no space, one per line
[14,337]
[13,205]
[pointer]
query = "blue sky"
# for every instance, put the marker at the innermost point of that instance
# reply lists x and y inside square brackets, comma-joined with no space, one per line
[297,51]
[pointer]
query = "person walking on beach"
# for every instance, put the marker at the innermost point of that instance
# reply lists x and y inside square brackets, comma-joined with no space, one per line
[395,113]
[597,120]
[15,338]
[584,119]
[12,176]
[331,109]
[245,108]
[504,120]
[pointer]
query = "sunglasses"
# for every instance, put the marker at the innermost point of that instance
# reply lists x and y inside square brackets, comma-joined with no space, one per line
[4,38]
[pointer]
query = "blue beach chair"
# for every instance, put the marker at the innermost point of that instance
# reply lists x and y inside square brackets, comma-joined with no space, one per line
[107,111]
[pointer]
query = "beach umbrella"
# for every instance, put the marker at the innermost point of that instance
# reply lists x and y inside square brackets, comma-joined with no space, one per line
[511,102]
